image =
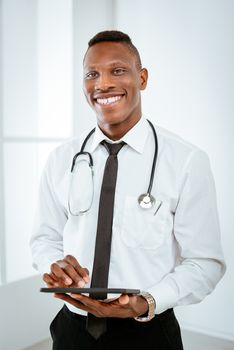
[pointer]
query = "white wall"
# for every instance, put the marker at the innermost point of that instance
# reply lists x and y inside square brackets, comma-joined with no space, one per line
[188,48]
[36,71]
[90,17]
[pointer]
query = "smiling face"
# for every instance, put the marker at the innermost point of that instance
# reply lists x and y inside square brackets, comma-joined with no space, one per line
[112,85]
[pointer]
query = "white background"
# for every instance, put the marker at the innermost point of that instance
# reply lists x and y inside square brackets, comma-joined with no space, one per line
[187,46]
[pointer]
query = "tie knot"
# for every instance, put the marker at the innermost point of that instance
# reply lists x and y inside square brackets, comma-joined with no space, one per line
[113,148]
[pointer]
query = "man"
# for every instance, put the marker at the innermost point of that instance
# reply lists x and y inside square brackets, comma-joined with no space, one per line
[170,250]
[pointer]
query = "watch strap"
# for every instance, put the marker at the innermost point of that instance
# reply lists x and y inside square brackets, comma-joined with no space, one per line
[151,304]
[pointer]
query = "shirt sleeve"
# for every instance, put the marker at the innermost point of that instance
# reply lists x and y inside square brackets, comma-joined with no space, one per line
[196,230]
[47,239]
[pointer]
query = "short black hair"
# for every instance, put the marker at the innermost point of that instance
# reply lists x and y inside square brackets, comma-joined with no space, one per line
[118,37]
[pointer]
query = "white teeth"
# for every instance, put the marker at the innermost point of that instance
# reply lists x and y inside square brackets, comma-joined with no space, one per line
[106,101]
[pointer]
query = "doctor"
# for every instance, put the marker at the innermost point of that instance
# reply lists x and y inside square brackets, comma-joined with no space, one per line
[170,250]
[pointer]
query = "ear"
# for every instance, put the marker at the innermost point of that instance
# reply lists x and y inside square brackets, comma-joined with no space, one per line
[143,78]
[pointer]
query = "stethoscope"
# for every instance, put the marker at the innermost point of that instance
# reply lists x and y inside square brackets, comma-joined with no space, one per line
[145,200]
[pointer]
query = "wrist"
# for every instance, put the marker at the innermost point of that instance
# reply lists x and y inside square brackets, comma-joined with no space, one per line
[151,308]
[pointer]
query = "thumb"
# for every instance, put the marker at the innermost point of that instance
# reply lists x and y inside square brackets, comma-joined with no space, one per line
[124,299]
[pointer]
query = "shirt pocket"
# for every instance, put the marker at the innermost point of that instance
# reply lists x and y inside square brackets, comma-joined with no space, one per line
[141,228]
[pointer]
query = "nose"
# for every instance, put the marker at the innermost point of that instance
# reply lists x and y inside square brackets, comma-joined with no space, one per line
[104,82]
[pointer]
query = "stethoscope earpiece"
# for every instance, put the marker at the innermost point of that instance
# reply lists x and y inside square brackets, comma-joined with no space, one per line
[146,201]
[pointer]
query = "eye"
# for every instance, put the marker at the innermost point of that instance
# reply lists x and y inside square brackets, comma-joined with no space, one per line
[91,75]
[119,71]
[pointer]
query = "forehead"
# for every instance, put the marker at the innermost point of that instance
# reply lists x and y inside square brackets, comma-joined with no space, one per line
[108,53]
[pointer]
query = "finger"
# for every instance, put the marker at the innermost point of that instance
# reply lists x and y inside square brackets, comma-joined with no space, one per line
[65,272]
[54,277]
[72,301]
[59,272]
[49,280]
[75,276]
[83,299]
[87,301]
[98,308]
[103,309]
[124,299]
[83,272]
[51,285]
[71,260]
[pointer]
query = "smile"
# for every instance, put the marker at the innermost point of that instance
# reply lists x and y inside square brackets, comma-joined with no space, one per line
[109,100]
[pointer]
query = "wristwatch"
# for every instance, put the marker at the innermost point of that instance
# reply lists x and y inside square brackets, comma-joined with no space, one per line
[152,305]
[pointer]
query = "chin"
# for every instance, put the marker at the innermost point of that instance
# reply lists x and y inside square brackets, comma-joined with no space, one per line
[111,120]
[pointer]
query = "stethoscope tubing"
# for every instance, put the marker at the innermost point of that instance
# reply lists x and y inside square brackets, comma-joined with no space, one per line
[83,152]
[142,197]
[154,159]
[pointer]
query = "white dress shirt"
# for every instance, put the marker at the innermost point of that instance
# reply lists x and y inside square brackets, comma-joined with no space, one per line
[174,253]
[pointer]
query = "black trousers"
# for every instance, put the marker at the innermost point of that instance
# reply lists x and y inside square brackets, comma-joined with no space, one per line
[161,333]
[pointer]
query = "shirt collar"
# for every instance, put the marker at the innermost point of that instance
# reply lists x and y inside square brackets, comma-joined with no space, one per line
[135,137]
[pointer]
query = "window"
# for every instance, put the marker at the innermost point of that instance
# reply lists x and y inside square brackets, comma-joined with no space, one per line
[36,115]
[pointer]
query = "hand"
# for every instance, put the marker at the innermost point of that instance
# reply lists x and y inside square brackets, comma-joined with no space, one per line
[66,273]
[123,307]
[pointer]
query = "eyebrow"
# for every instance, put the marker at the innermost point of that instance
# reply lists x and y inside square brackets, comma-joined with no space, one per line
[111,64]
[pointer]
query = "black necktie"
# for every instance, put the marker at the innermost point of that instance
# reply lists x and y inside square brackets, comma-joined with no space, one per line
[97,326]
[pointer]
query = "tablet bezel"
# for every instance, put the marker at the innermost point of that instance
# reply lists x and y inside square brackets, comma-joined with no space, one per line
[93,291]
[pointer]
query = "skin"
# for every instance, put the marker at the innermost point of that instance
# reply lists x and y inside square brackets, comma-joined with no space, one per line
[110,72]
[110,69]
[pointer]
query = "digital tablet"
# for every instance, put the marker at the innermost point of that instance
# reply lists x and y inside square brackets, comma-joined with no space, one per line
[94,291]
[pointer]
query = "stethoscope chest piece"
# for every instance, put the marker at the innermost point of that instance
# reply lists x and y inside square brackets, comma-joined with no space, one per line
[146,201]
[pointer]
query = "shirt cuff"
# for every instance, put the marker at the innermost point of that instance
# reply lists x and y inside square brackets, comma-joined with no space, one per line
[166,296]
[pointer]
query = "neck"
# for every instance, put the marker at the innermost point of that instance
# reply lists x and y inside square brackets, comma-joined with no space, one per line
[117,131]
